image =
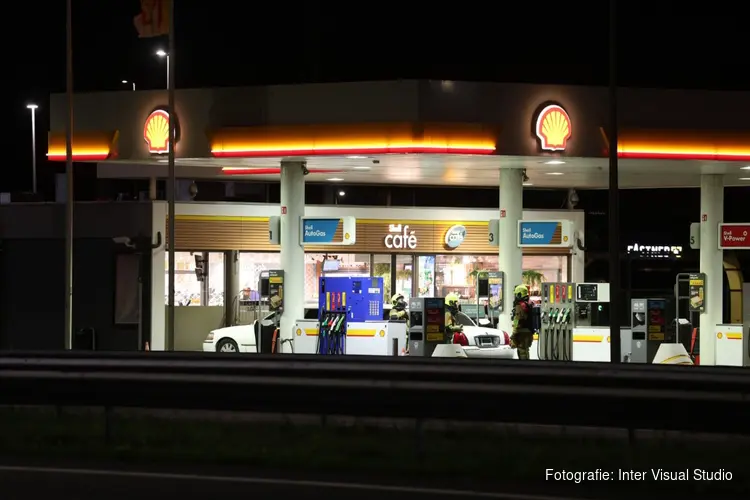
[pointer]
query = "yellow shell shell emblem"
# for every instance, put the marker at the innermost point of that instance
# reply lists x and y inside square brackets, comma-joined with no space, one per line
[553,128]
[719,335]
[156,132]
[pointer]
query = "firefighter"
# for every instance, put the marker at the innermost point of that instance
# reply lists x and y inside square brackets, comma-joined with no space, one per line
[523,335]
[398,309]
[453,330]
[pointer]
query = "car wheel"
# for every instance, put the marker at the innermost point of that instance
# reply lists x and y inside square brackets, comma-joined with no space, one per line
[227,345]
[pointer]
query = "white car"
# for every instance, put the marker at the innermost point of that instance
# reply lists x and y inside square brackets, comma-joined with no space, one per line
[243,338]
[484,341]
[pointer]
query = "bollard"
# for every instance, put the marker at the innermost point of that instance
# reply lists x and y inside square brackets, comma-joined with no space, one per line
[395,347]
[107,425]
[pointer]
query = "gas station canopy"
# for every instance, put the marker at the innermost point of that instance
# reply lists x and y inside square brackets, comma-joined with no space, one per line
[413,132]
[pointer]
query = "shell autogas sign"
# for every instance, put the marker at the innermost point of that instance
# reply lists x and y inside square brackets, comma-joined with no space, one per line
[553,128]
[545,233]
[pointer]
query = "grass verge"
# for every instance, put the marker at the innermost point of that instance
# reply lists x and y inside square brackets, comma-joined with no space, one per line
[482,454]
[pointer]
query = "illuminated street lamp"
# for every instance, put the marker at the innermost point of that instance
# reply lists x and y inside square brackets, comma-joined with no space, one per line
[33,108]
[164,54]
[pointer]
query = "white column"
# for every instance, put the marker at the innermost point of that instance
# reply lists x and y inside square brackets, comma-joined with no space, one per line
[152,191]
[292,253]
[158,278]
[711,263]
[510,258]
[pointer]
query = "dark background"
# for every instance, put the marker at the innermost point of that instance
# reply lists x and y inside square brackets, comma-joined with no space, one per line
[664,44]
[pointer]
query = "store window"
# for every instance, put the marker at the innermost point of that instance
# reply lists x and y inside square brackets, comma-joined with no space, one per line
[458,273]
[251,266]
[216,274]
[404,274]
[426,276]
[381,268]
[188,290]
[538,269]
[318,264]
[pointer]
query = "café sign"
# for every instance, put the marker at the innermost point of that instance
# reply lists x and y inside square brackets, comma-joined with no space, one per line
[454,236]
[400,237]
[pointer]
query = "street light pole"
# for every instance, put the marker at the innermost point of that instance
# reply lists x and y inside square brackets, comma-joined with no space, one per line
[33,107]
[164,54]
[615,308]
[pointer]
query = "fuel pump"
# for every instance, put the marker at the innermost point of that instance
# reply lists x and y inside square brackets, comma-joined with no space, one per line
[746,324]
[555,341]
[426,325]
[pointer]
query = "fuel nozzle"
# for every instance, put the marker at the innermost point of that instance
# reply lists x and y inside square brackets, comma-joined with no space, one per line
[553,314]
[566,315]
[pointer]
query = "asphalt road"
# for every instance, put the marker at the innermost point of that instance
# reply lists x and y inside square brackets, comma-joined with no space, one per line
[22,482]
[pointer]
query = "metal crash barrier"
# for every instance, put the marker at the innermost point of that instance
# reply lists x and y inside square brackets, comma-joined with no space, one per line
[581,394]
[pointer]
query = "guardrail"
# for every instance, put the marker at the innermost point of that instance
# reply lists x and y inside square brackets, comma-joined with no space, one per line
[582,394]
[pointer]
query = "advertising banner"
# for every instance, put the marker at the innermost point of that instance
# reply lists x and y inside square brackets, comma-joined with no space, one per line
[734,236]
[545,234]
[334,231]
[697,292]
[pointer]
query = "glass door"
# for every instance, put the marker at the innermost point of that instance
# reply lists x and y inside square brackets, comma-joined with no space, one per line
[381,268]
[404,275]
[426,276]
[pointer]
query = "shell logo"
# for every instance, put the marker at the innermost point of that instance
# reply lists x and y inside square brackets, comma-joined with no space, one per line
[553,128]
[347,236]
[299,332]
[719,335]
[382,333]
[156,132]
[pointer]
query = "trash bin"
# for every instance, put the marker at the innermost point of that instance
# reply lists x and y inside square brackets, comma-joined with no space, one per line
[84,339]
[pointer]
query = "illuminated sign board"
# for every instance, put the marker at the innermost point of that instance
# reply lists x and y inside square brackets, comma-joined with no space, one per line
[655,251]
[454,236]
[156,132]
[337,231]
[553,128]
[545,233]
[400,237]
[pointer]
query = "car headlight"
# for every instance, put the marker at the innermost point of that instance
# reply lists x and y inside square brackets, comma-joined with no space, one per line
[210,337]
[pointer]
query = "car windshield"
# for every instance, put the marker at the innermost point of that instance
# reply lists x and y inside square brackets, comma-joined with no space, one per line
[464,320]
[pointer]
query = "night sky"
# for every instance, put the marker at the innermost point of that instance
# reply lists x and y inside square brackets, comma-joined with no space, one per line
[223,43]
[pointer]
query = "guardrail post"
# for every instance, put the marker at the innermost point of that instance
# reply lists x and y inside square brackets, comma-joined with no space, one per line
[107,425]
[630,454]
[419,436]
